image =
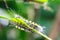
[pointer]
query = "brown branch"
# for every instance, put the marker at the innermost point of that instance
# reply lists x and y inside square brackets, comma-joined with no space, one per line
[55,31]
[4,1]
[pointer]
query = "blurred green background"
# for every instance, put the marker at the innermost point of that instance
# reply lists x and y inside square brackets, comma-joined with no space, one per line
[45,18]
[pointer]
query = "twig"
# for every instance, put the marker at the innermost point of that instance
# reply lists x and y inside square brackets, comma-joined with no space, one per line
[5,4]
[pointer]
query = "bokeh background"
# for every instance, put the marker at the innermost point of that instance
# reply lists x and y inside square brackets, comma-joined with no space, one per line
[46,15]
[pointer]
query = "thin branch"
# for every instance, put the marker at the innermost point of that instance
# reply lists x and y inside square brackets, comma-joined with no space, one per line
[56,27]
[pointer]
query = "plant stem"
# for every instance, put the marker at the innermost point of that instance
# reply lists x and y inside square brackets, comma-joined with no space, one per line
[32,29]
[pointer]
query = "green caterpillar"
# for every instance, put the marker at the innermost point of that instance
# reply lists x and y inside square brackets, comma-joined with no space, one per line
[22,23]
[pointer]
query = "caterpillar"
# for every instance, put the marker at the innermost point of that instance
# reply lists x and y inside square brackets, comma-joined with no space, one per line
[21,25]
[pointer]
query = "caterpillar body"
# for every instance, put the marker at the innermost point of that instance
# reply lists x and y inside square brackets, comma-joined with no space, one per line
[21,25]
